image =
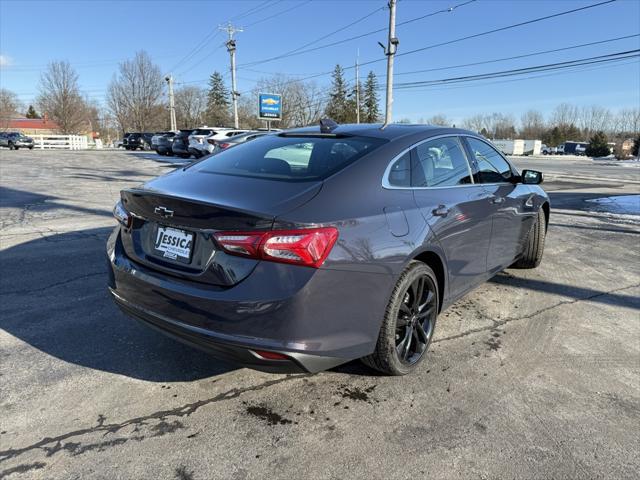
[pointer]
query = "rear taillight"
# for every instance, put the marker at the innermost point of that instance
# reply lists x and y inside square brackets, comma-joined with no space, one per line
[224,145]
[309,247]
[122,216]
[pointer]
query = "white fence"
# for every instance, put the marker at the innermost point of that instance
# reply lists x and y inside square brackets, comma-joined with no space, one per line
[66,142]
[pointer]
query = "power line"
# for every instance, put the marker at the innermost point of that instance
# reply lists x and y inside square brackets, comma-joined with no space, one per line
[519,71]
[508,27]
[278,13]
[253,10]
[349,39]
[320,38]
[515,57]
[195,50]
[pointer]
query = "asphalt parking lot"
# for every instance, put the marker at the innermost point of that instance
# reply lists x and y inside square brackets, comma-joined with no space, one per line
[536,374]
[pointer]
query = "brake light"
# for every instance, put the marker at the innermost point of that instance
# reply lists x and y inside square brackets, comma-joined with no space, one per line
[270,355]
[224,145]
[121,215]
[308,247]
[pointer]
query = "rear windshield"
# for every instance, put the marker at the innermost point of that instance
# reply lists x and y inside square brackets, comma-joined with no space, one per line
[202,131]
[302,158]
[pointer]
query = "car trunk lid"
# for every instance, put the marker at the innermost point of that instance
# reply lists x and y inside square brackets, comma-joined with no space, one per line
[175,217]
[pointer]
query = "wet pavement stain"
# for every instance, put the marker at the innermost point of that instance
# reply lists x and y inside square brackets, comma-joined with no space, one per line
[356,393]
[265,413]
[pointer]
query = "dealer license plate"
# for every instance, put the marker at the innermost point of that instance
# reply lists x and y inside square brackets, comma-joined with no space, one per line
[174,244]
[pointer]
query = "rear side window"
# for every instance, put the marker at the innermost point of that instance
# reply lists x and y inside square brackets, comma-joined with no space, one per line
[492,168]
[400,172]
[290,158]
[202,131]
[440,163]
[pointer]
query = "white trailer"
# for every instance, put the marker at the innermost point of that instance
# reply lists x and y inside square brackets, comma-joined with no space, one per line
[532,147]
[510,147]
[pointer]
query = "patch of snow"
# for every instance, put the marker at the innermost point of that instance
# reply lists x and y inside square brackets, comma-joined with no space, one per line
[623,204]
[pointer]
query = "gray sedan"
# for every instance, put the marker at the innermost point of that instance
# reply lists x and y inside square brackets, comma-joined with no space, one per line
[308,248]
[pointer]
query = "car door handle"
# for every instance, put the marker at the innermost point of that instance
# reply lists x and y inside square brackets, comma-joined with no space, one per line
[496,200]
[441,211]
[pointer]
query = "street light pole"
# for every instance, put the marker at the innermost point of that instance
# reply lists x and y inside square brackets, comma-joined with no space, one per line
[357,88]
[172,104]
[390,52]
[231,48]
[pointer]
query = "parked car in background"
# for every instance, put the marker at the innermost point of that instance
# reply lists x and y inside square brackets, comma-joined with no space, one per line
[199,144]
[549,150]
[219,145]
[164,142]
[180,143]
[15,141]
[302,250]
[155,139]
[137,140]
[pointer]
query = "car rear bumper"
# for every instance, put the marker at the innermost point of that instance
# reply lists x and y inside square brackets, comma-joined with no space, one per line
[317,318]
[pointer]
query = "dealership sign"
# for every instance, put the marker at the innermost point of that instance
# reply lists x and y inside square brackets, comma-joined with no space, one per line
[269,106]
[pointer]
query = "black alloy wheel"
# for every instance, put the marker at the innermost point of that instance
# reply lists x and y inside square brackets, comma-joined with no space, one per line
[416,319]
[409,322]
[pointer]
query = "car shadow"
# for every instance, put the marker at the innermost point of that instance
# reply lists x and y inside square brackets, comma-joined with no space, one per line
[576,293]
[53,296]
[14,198]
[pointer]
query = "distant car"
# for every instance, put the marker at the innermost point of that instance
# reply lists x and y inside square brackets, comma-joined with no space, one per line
[298,259]
[163,144]
[219,145]
[155,139]
[137,140]
[549,150]
[199,144]
[15,141]
[180,144]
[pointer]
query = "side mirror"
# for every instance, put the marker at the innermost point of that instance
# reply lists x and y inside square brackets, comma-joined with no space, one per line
[532,177]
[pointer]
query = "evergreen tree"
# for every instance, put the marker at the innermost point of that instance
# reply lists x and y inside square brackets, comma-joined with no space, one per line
[218,102]
[337,107]
[598,146]
[351,106]
[370,99]
[31,113]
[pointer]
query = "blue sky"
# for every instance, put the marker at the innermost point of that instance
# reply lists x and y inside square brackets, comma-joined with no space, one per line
[95,35]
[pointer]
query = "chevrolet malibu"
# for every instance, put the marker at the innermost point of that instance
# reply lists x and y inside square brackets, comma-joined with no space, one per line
[305,249]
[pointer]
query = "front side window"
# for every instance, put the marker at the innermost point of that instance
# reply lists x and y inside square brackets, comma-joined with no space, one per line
[440,163]
[492,168]
[289,157]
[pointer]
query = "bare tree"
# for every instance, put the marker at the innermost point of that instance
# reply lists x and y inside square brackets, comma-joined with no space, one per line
[594,119]
[627,122]
[9,106]
[475,123]
[565,114]
[60,97]
[135,95]
[302,102]
[439,119]
[532,125]
[191,105]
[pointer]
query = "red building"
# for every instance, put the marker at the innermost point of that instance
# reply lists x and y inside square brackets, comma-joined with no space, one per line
[30,126]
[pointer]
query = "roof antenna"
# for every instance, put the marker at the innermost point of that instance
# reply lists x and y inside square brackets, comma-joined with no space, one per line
[327,125]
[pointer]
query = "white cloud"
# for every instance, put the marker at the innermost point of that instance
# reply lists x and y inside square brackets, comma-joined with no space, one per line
[5,61]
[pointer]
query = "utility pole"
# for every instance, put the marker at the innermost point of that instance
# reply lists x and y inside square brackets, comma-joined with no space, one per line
[390,52]
[358,87]
[231,48]
[172,104]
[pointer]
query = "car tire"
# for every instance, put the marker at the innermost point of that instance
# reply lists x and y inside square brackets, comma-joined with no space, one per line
[30,148]
[418,313]
[11,146]
[534,245]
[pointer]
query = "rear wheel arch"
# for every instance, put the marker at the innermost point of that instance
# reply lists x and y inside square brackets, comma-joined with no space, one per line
[435,262]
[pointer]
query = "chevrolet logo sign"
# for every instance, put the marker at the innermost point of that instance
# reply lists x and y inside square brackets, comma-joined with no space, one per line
[163,212]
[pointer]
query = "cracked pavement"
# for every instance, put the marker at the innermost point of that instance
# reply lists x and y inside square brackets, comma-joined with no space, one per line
[535,374]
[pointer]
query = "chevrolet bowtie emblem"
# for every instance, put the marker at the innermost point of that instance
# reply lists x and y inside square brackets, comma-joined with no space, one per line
[163,212]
